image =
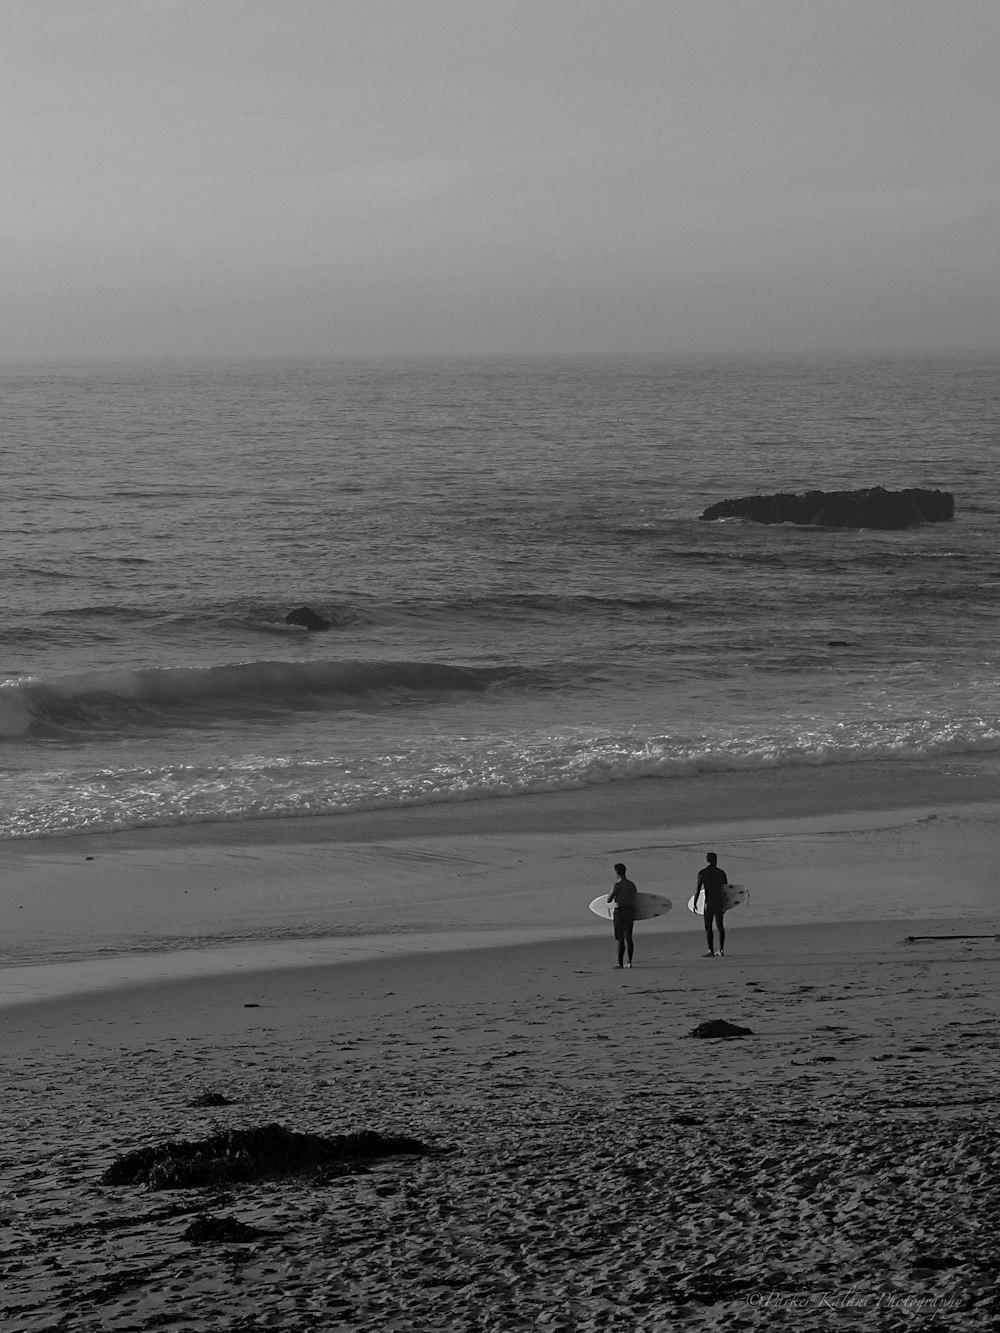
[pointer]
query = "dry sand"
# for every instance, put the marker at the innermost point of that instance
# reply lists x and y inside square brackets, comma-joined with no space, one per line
[597,1167]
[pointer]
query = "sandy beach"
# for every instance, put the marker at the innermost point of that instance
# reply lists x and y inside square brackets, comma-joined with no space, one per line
[590,1164]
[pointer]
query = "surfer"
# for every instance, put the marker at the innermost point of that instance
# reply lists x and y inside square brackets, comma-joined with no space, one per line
[623,897]
[713,880]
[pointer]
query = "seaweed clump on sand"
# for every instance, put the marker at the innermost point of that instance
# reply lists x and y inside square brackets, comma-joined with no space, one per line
[220,1231]
[240,1155]
[718,1027]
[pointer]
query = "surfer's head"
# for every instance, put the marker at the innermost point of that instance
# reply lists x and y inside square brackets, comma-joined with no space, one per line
[620,870]
[711,858]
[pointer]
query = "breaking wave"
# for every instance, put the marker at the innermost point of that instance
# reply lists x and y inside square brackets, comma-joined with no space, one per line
[111,701]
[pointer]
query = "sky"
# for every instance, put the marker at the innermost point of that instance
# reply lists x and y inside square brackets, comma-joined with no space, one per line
[368,177]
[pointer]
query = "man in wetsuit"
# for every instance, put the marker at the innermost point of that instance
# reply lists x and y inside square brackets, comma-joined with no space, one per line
[712,879]
[623,897]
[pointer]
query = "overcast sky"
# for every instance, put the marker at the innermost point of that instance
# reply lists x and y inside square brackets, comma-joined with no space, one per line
[228,177]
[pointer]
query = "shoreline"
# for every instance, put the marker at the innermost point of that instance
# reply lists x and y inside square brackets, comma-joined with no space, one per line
[103,910]
[120,913]
[176,983]
[691,801]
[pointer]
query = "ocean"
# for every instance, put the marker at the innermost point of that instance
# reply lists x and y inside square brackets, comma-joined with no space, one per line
[521,594]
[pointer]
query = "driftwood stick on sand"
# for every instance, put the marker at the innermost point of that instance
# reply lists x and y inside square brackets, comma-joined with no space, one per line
[912,939]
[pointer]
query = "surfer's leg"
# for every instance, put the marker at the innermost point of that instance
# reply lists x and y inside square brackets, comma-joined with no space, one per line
[707,918]
[620,937]
[628,939]
[722,931]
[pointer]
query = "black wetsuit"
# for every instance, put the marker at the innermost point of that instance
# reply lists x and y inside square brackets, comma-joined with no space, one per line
[712,881]
[623,897]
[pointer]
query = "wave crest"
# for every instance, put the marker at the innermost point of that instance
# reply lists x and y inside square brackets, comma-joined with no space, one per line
[175,696]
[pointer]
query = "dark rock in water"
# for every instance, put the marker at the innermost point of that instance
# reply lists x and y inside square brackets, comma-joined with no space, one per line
[211,1099]
[874,507]
[250,1154]
[307,618]
[220,1231]
[718,1027]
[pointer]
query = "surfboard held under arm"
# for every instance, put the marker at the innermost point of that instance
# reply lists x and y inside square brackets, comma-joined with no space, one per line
[734,895]
[646,905]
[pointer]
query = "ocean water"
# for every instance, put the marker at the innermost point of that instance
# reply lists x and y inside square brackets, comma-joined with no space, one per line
[522,595]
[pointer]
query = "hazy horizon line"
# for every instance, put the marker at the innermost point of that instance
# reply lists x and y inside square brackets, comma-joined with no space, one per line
[772,354]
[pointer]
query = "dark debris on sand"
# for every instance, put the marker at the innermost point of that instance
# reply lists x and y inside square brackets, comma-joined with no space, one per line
[718,1027]
[207,1230]
[237,1155]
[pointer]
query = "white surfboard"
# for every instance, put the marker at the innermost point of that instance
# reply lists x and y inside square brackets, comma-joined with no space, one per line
[646,905]
[734,896]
